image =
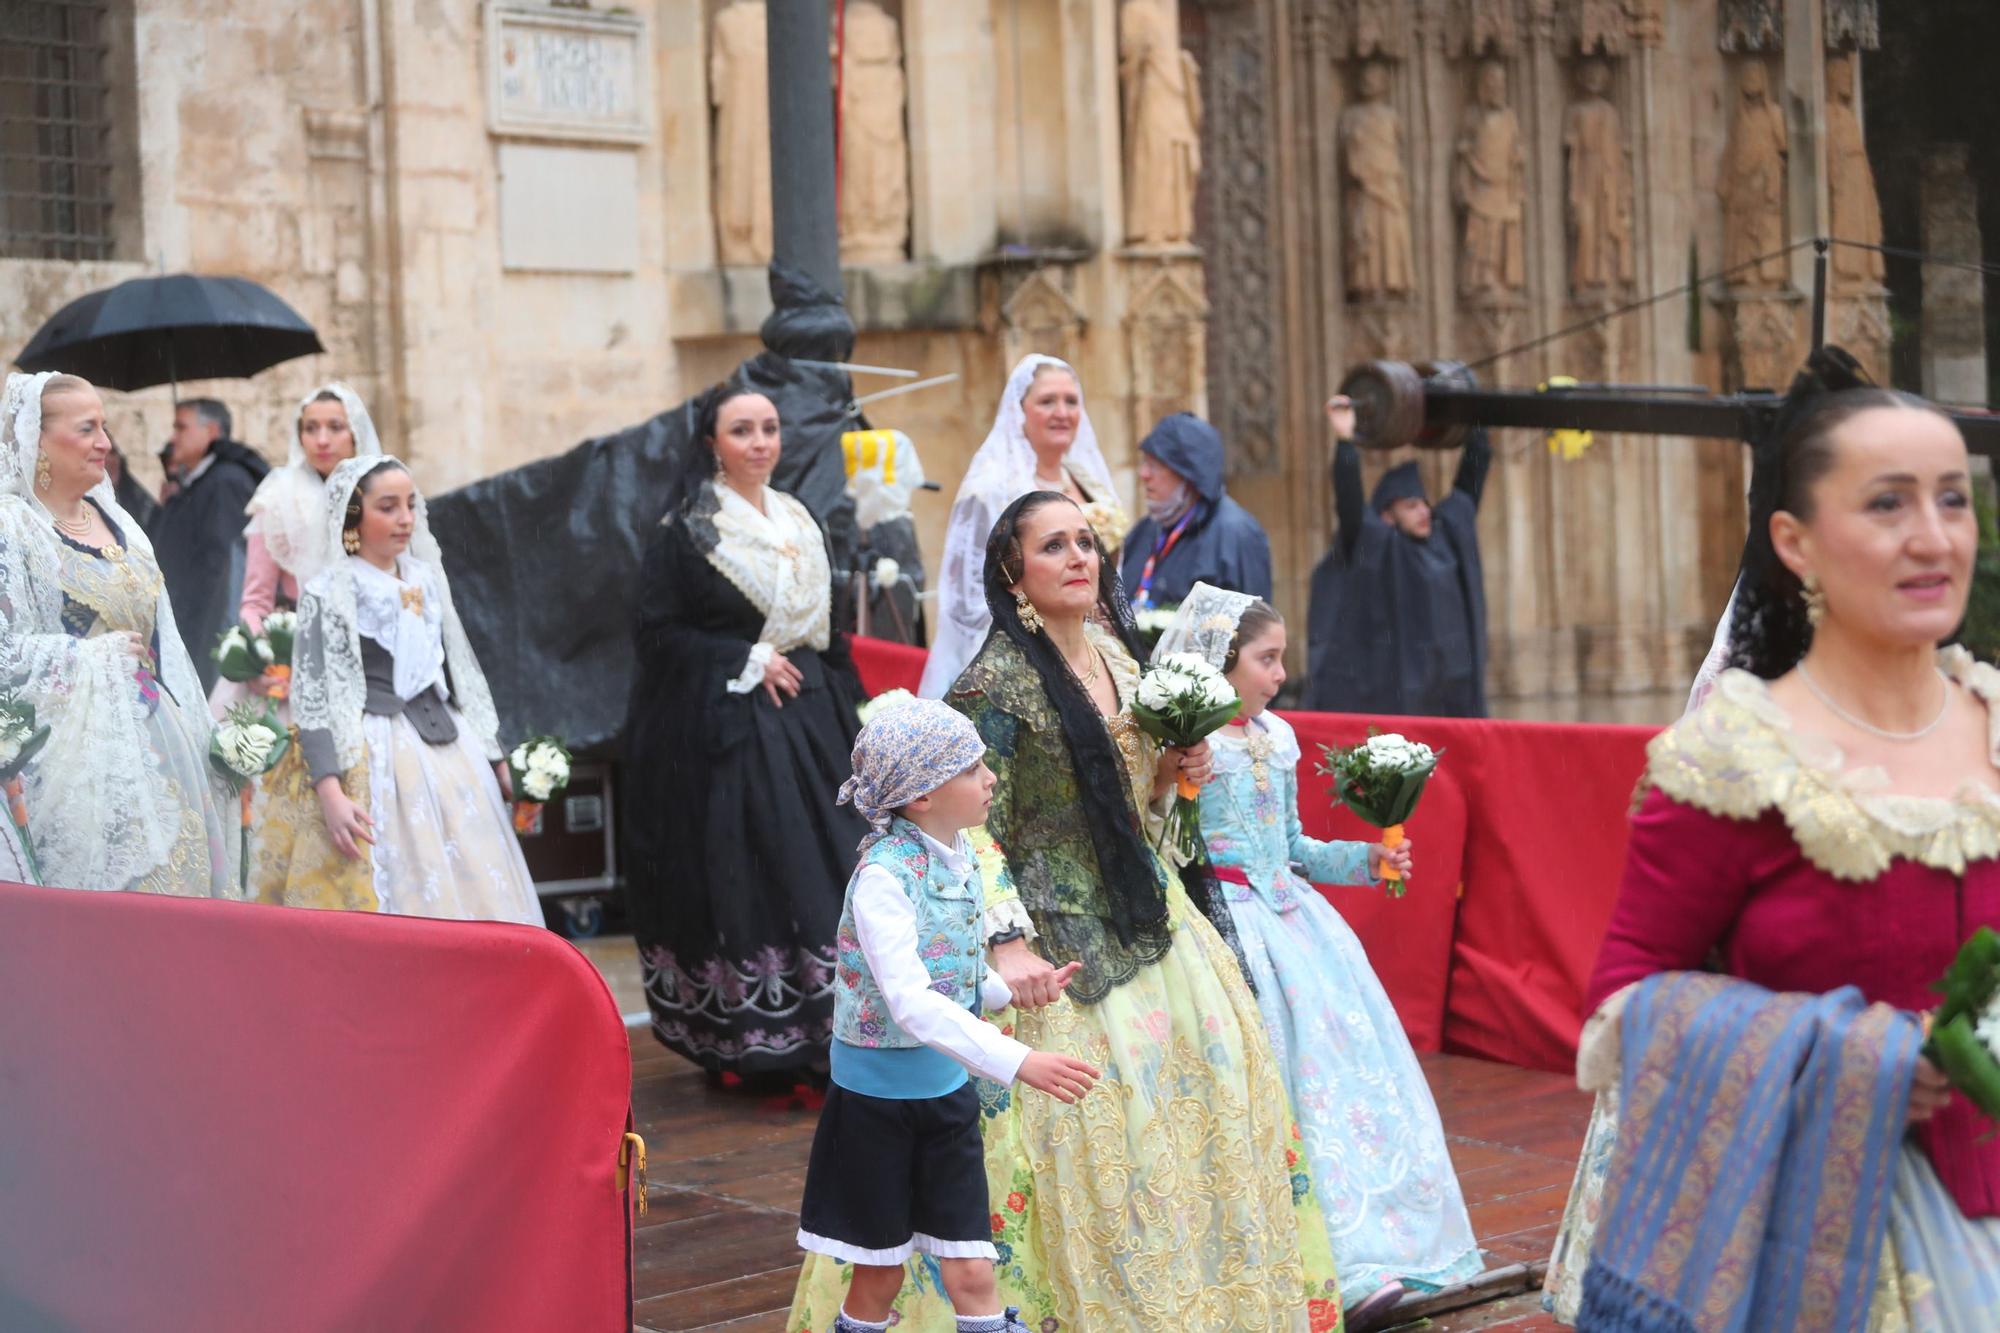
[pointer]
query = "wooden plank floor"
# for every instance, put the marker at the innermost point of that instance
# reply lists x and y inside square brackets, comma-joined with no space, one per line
[715,1250]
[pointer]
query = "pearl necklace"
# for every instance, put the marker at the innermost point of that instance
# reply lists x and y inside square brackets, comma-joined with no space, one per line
[1861,724]
[78,528]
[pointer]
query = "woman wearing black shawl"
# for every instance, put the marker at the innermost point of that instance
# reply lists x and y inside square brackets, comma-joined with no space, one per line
[1174,1196]
[737,737]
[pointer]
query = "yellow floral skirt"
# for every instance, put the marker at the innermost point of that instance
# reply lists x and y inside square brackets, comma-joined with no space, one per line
[293,862]
[1174,1195]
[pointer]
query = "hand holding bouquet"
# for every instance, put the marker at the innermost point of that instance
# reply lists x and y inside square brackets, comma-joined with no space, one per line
[1380,780]
[247,743]
[20,740]
[1965,1031]
[540,768]
[1181,699]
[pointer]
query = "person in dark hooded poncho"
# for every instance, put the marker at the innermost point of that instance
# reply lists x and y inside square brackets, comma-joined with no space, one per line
[1398,618]
[1193,532]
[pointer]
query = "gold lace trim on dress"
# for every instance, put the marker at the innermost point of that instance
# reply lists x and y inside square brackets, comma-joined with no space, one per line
[125,593]
[1739,755]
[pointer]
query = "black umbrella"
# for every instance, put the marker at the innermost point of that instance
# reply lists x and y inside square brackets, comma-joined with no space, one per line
[148,331]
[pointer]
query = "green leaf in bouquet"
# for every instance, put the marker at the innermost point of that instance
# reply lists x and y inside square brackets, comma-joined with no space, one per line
[236,656]
[1966,1062]
[241,757]
[29,749]
[279,637]
[1972,977]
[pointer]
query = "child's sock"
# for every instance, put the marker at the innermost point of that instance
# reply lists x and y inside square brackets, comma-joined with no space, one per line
[982,1323]
[847,1323]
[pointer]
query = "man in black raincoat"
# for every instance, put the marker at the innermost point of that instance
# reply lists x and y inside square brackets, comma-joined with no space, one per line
[1398,618]
[198,532]
[1193,532]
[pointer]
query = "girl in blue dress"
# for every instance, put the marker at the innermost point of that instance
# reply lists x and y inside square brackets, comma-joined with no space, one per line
[1370,1129]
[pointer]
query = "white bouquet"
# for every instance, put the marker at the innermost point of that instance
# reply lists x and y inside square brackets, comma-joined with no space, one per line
[541,767]
[246,744]
[886,574]
[886,699]
[1180,700]
[1380,780]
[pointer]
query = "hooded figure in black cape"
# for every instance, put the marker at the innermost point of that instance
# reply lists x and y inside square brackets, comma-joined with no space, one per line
[1398,618]
[544,559]
[1197,534]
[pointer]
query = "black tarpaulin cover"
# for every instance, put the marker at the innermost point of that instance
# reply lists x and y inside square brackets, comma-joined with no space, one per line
[544,559]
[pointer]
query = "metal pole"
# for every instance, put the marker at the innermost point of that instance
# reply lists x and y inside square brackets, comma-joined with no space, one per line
[1820,248]
[805,228]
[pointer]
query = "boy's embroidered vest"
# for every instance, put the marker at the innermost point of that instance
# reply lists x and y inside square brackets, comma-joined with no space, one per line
[949,911]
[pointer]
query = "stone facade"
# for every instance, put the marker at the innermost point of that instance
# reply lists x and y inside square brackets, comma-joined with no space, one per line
[501,217]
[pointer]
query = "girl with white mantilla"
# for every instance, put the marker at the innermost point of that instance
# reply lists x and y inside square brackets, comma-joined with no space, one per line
[395,720]
[122,796]
[1386,1185]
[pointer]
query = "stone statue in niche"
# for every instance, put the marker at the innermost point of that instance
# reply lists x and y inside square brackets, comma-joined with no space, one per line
[737,84]
[1753,185]
[1600,185]
[874,151]
[1489,185]
[1850,182]
[1377,191]
[1162,104]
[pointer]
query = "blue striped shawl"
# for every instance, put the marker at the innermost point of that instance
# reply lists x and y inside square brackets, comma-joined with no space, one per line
[1756,1142]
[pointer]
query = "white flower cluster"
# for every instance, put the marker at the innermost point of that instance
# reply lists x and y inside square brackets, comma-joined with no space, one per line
[1395,752]
[1154,620]
[233,640]
[1987,1026]
[13,735]
[281,622]
[887,573]
[887,699]
[1184,677]
[543,768]
[245,747]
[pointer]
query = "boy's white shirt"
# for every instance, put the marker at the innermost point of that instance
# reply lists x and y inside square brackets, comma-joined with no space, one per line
[886,922]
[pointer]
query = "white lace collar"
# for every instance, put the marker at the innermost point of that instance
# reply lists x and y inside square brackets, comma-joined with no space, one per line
[404,613]
[777,560]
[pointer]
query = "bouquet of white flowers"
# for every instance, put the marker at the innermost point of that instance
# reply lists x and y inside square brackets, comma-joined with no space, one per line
[240,655]
[20,740]
[1153,621]
[1380,780]
[247,743]
[886,699]
[1181,699]
[1964,1038]
[540,768]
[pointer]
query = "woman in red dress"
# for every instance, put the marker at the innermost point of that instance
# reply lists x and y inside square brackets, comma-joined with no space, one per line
[1828,818]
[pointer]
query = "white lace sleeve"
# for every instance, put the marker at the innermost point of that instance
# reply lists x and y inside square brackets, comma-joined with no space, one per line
[752,674]
[1008,914]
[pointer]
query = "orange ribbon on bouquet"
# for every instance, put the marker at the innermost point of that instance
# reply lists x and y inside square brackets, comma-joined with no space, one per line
[278,681]
[1392,838]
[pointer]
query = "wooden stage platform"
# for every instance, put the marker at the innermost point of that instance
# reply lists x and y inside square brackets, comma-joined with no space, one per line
[715,1250]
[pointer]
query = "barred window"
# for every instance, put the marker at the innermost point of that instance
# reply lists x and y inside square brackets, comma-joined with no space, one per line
[55,129]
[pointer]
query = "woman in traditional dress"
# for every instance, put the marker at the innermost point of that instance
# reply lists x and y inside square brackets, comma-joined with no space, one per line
[122,796]
[1041,441]
[1372,1134]
[396,724]
[737,739]
[1826,823]
[1180,1198]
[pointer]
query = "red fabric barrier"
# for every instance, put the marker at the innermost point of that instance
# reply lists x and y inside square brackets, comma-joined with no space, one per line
[1520,841]
[885,666]
[226,1117]
[1541,846]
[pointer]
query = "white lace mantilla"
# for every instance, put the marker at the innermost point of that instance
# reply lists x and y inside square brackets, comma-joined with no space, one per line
[100,812]
[777,559]
[329,688]
[289,508]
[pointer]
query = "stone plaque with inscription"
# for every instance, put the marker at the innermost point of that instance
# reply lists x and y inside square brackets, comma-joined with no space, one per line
[561,74]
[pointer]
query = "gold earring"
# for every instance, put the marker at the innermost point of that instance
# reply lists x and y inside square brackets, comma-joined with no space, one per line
[1815,599]
[350,542]
[43,478]
[1031,619]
